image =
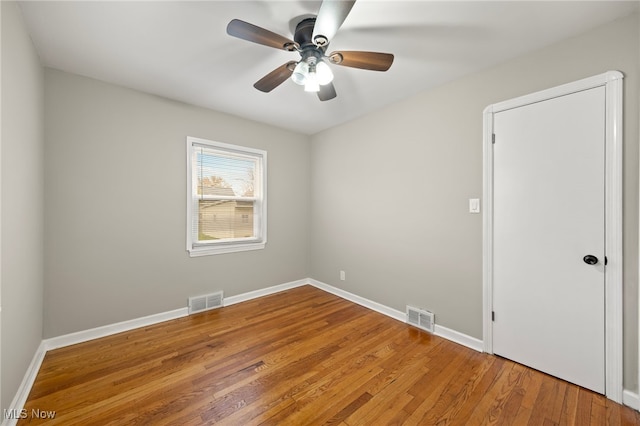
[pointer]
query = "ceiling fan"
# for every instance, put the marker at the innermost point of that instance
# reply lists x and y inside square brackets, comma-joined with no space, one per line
[311,40]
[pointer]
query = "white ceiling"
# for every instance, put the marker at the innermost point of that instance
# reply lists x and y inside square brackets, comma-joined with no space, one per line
[180,50]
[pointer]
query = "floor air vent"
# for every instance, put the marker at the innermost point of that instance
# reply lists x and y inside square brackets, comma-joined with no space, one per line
[420,318]
[205,302]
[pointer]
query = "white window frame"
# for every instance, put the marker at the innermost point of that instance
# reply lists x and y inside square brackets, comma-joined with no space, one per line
[259,241]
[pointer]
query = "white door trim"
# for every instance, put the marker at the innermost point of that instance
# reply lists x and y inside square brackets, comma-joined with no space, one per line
[612,80]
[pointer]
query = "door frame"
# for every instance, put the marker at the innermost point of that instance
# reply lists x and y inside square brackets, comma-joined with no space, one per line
[612,81]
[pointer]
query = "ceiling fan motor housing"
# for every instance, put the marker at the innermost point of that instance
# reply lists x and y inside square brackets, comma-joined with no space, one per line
[304,34]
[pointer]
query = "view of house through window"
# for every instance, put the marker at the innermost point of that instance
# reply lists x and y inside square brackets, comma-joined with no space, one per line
[227,203]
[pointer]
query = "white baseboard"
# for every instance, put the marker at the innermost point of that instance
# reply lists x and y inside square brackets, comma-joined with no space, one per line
[232,300]
[25,387]
[444,332]
[460,338]
[631,399]
[108,330]
[385,310]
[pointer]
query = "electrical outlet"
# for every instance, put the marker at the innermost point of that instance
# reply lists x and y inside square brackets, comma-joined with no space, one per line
[343,276]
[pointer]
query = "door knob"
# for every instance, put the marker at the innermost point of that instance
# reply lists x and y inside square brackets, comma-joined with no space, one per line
[590,259]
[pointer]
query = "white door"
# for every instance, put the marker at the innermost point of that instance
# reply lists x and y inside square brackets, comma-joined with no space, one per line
[549,204]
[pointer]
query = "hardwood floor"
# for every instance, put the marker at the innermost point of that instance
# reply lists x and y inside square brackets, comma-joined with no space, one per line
[300,357]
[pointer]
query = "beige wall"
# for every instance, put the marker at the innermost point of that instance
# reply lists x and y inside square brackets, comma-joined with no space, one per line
[21,177]
[388,199]
[115,172]
[420,160]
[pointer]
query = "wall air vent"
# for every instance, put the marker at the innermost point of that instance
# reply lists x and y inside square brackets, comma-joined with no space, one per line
[420,318]
[205,302]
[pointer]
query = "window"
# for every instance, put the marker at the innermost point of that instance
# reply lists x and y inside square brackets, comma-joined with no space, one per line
[226,206]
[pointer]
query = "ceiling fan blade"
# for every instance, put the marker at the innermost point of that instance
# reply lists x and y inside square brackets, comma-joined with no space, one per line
[327,92]
[374,61]
[331,15]
[275,78]
[255,34]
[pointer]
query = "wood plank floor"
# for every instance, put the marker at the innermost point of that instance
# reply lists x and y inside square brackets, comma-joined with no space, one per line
[300,357]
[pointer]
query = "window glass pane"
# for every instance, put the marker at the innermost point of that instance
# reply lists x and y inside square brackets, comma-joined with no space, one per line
[226,175]
[225,219]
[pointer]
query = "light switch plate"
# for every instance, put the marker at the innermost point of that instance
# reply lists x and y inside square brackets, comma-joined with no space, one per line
[474,205]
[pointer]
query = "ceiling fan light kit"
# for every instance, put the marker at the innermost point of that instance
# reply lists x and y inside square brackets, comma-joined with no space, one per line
[311,39]
[312,73]
[324,73]
[300,72]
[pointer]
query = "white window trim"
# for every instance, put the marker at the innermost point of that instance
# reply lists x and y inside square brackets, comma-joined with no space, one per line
[196,249]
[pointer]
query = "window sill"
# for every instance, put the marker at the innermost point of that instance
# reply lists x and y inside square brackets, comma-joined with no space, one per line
[221,249]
